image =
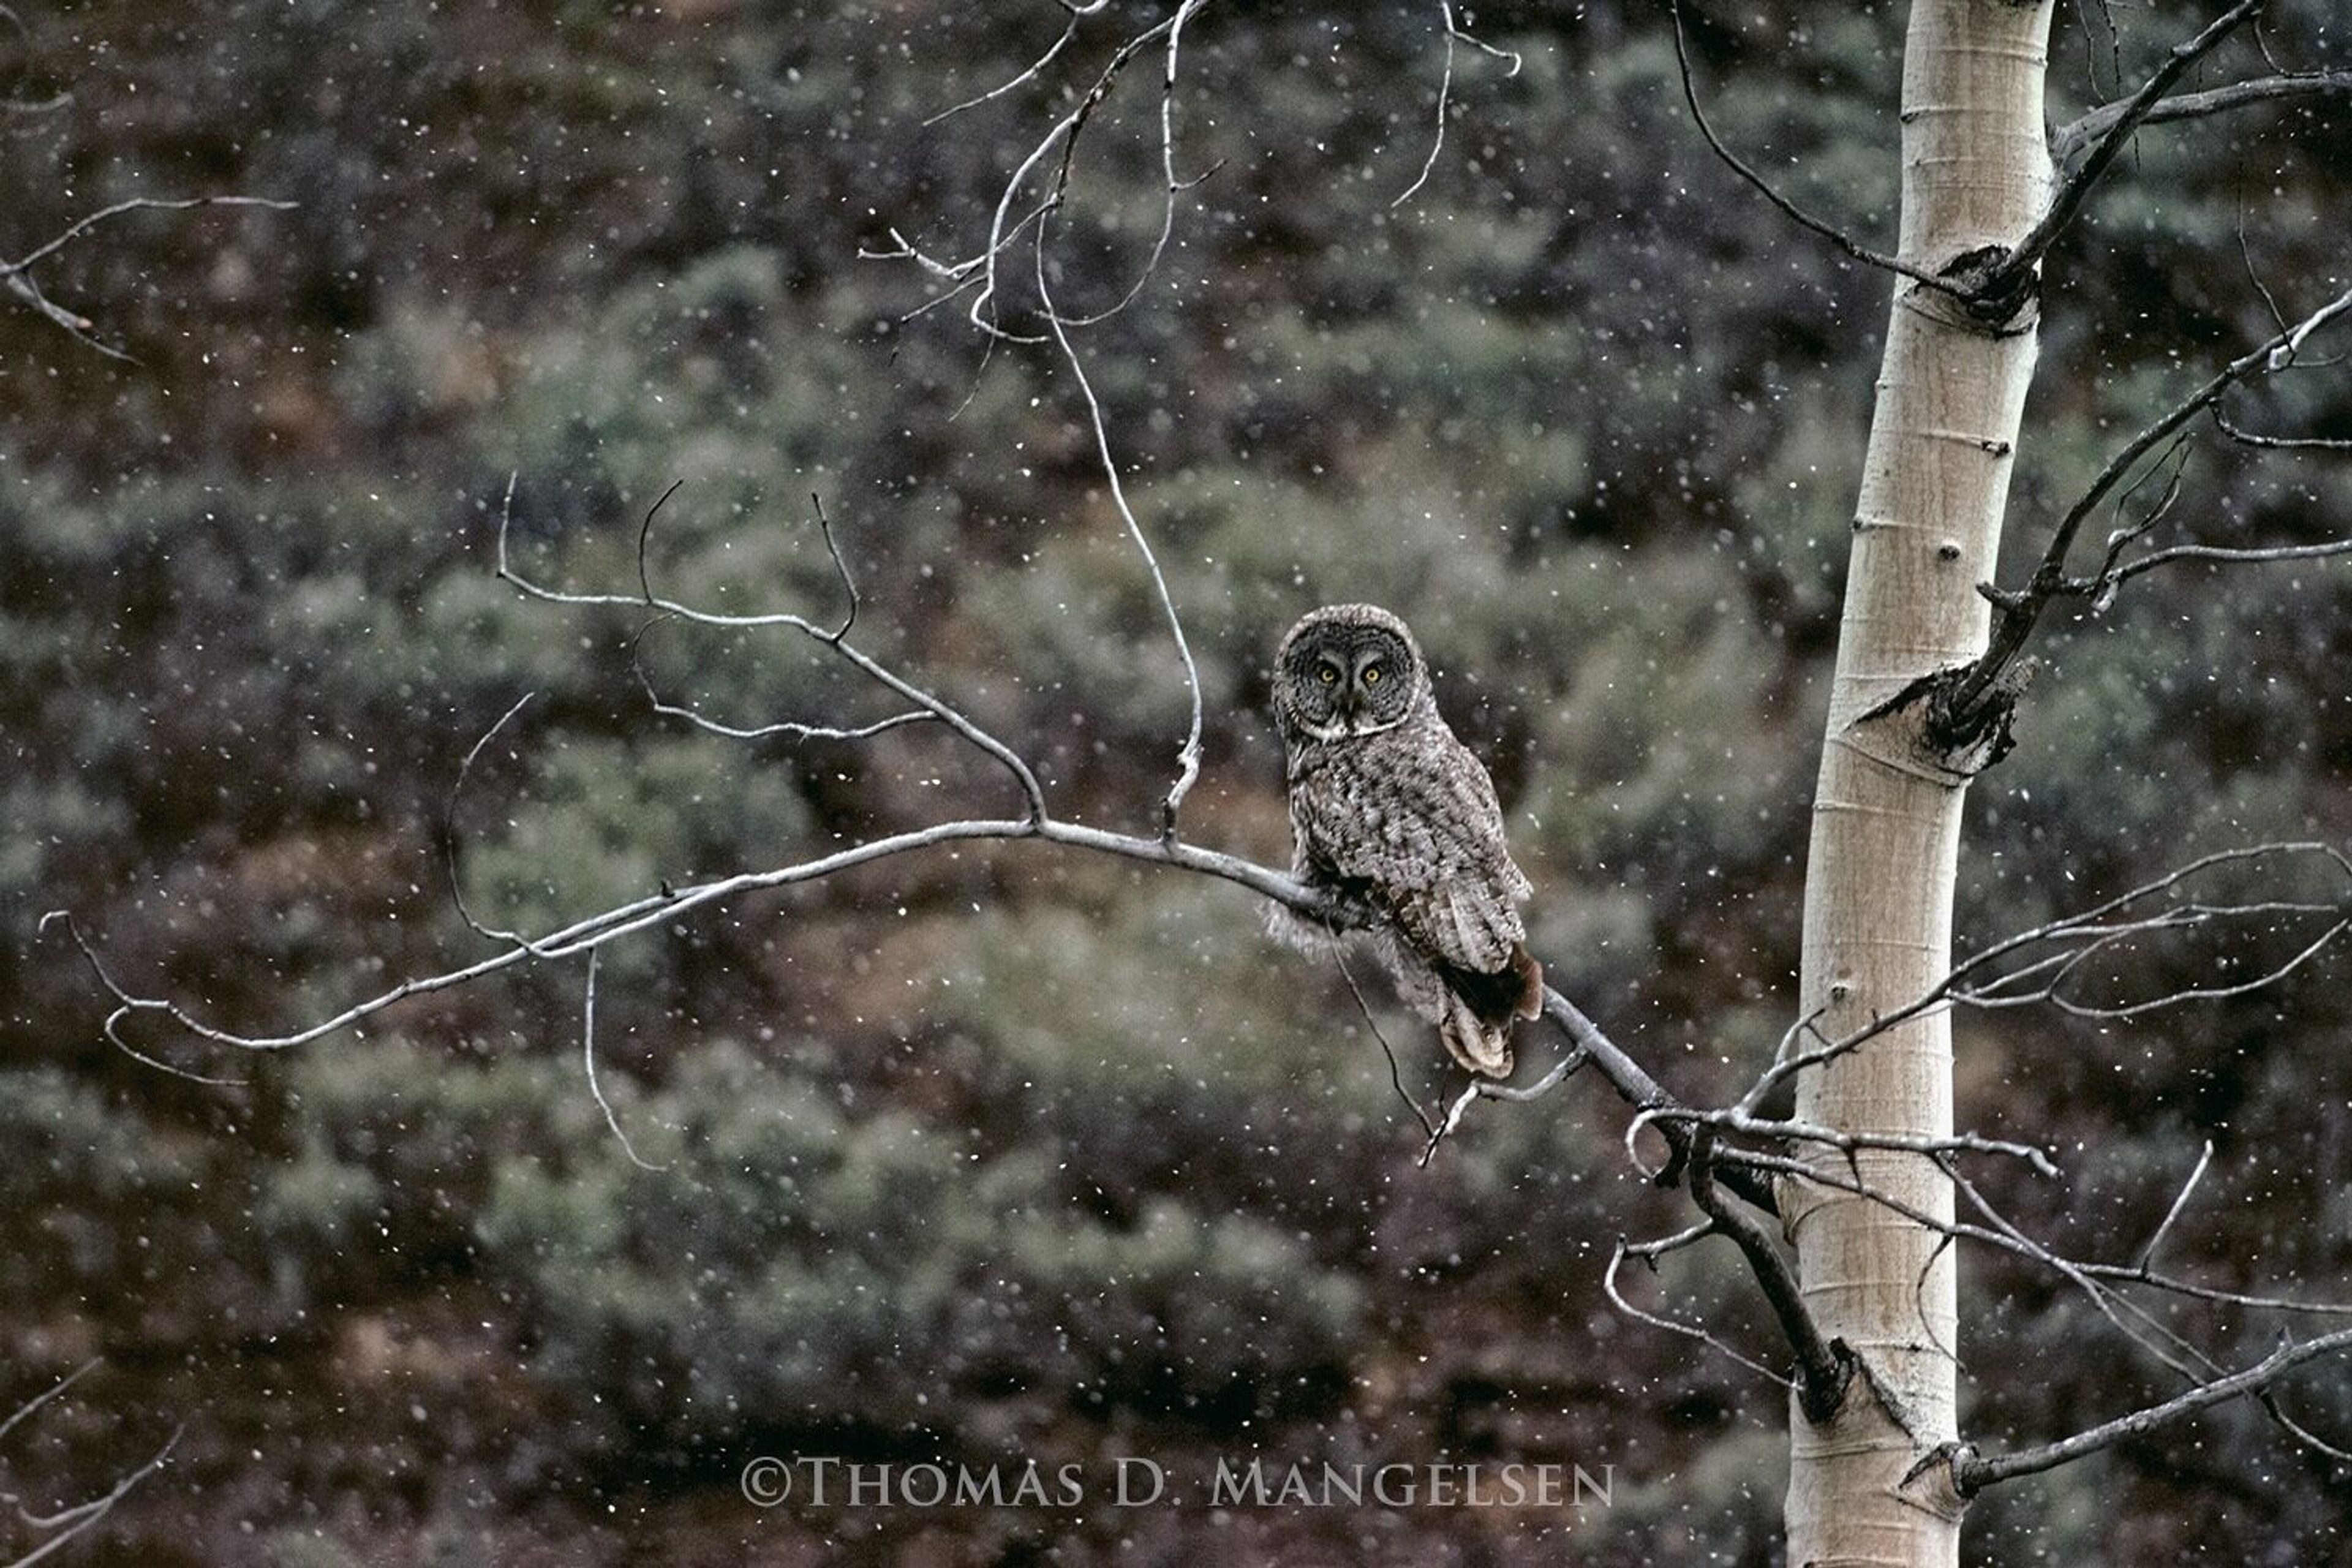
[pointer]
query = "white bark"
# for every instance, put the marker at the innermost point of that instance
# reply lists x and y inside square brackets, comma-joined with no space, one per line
[1886,813]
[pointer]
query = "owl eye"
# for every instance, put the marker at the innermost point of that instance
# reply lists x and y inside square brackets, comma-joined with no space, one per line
[1371,675]
[1326,675]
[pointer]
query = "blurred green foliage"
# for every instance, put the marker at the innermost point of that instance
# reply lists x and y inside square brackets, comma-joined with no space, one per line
[995,1153]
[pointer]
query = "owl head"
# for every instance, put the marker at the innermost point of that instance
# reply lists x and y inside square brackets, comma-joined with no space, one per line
[1347,671]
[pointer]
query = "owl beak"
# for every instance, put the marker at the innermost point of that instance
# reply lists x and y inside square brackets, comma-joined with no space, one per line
[1350,703]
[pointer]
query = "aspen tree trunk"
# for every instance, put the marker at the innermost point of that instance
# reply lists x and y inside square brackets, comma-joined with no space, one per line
[1886,812]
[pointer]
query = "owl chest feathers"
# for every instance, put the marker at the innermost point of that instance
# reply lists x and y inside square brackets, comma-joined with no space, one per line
[1408,817]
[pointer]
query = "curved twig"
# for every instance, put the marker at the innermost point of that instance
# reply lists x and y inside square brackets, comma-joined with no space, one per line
[1804,219]
[588,1061]
[1188,757]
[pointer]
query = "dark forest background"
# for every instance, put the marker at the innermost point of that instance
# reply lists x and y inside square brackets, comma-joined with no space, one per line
[1019,1153]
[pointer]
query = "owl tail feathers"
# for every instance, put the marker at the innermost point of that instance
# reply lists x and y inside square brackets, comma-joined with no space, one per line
[1480,1007]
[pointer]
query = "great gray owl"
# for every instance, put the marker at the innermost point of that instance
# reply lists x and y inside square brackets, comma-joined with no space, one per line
[1391,813]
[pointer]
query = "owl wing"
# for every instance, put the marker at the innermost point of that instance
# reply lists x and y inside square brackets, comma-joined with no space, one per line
[1423,839]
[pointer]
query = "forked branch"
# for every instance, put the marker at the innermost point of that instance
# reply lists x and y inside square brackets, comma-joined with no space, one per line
[2072,144]
[1961,696]
[17,275]
[2100,150]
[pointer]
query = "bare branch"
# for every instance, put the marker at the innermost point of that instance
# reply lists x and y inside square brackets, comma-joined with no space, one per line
[1960,701]
[83,224]
[1649,1253]
[2106,143]
[835,639]
[2280,443]
[1790,1132]
[17,274]
[2128,1318]
[1825,1366]
[2148,1253]
[1172,185]
[449,840]
[1782,1068]
[588,1061]
[1804,219]
[1638,1088]
[2258,555]
[790,728]
[647,913]
[23,1411]
[1036,68]
[1487,1089]
[1188,757]
[1430,1130]
[1972,1472]
[71,1521]
[2072,142]
[1453,32]
[1981,981]
[1065,134]
[2142,1274]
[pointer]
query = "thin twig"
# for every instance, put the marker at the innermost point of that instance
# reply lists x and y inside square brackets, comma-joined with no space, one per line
[1036,68]
[22,1412]
[1784,1066]
[1972,1472]
[788,727]
[1188,756]
[1453,32]
[1396,1072]
[1065,134]
[2148,1253]
[1792,1131]
[2279,443]
[588,1061]
[1649,1253]
[1804,219]
[69,1523]
[1488,1088]
[1032,792]
[17,276]
[83,224]
[1172,185]
[449,840]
